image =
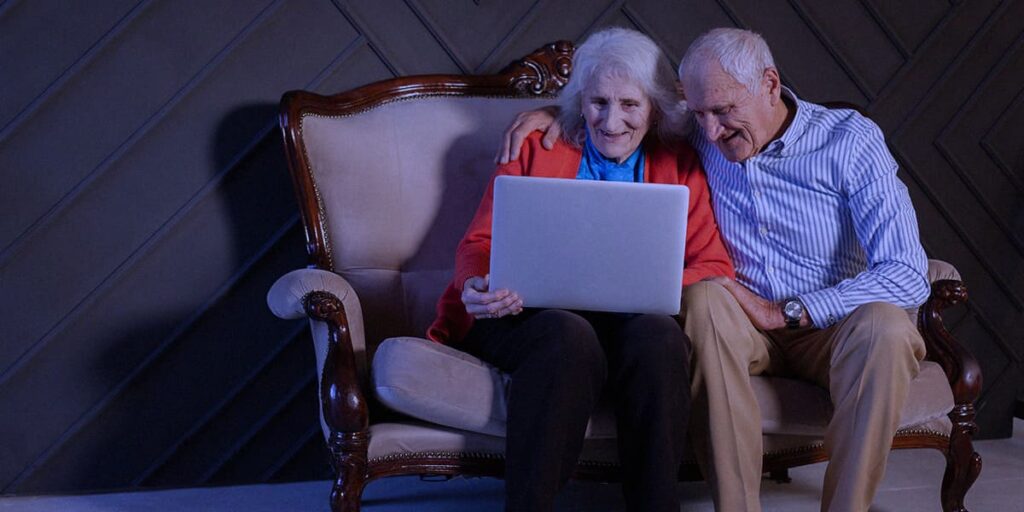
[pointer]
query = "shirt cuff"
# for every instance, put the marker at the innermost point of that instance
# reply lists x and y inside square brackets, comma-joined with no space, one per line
[825,307]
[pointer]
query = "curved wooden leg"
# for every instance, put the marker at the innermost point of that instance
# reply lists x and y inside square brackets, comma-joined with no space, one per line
[348,450]
[963,464]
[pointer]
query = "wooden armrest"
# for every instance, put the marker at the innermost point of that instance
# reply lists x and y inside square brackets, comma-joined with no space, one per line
[342,400]
[961,367]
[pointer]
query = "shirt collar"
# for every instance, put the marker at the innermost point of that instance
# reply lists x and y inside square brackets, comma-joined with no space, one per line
[796,128]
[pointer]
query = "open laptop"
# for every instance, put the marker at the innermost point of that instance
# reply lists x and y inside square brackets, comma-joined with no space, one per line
[589,245]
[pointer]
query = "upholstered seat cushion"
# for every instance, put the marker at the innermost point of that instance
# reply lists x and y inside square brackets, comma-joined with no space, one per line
[445,386]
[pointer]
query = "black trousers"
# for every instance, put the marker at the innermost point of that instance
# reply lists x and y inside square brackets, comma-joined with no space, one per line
[560,362]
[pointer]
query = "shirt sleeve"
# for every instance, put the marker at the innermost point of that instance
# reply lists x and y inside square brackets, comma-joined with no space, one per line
[886,226]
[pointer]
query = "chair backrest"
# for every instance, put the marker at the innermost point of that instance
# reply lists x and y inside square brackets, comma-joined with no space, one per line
[389,175]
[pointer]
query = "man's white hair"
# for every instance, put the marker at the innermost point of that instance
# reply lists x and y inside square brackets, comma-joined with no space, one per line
[627,55]
[743,54]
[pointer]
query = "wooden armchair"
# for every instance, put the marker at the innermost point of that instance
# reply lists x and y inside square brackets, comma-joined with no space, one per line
[388,176]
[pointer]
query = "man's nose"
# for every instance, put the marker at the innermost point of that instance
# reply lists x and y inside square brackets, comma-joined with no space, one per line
[712,128]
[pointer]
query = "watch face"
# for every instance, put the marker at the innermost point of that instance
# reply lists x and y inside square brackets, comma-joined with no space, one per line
[793,309]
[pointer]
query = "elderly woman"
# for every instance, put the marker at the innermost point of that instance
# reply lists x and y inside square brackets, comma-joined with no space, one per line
[619,119]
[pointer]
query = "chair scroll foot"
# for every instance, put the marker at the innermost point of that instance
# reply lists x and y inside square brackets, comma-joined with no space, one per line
[348,451]
[963,464]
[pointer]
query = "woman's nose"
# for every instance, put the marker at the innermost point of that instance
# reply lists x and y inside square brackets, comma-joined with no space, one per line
[613,119]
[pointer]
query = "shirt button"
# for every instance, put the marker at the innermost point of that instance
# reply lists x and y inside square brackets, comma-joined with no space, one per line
[764,230]
[770,270]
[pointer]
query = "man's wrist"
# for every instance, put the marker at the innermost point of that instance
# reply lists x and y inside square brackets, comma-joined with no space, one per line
[779,316]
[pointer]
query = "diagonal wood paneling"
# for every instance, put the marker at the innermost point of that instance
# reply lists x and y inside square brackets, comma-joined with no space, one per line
[30,25]
[80,113]
[910,23]
[869,60]
[147,209]
[1003,145]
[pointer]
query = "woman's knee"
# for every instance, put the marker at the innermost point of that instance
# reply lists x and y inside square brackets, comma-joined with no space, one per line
[653,340]
[567,340]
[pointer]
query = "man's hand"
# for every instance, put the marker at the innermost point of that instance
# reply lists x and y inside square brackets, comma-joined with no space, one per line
[481,303]
[525,123]
[765,315]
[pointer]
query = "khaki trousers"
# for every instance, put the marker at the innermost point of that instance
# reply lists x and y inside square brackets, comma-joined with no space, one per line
[866,361]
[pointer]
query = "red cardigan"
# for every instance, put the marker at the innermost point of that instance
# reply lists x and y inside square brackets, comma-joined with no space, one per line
[705,254]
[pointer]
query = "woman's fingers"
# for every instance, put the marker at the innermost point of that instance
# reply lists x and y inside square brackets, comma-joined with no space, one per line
[495,304]
[481,303]
[474,289]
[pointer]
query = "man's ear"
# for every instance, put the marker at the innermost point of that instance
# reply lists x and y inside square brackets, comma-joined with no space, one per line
[773,84]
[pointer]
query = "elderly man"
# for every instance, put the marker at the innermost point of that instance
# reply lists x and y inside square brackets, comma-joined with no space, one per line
[827,254]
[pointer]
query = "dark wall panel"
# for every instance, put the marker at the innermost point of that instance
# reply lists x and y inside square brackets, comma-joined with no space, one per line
[146,206]
[79,126]
[805,60]
[870,59]
[55,41]
[910,23]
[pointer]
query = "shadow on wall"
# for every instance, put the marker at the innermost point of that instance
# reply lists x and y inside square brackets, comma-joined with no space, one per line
[215,388]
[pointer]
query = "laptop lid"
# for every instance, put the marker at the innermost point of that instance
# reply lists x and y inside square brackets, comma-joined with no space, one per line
[589,245]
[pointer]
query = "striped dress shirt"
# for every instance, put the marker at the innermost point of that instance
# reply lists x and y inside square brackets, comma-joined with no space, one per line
[819,214]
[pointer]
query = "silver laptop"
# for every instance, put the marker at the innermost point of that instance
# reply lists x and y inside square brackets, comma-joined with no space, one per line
[589,245]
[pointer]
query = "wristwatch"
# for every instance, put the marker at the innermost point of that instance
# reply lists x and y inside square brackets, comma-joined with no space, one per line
[792,312]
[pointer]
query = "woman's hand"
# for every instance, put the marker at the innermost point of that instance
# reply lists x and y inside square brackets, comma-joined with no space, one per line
[525,123]
[481,303]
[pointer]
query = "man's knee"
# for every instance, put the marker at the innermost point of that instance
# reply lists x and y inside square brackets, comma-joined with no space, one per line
[885,331]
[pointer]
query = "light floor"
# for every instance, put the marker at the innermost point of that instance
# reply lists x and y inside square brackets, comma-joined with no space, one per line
[911,484]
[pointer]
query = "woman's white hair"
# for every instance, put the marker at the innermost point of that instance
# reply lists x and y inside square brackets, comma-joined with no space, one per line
[627,55]
[743,54]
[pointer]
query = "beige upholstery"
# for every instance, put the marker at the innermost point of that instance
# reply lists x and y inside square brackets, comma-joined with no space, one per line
[399,184]
[441,385]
